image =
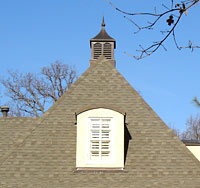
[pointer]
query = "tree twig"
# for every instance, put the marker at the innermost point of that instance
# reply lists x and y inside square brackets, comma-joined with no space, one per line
[176,11]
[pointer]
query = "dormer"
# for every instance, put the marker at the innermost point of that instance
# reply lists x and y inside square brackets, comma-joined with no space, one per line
[100,139]
[102,45]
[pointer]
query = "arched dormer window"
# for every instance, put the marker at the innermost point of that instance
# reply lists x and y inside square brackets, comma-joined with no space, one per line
[100,139]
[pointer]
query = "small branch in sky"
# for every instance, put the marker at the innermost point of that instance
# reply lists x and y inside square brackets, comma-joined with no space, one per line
[174,14]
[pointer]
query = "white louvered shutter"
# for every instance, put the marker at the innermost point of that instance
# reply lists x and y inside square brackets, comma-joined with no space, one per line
[100,138]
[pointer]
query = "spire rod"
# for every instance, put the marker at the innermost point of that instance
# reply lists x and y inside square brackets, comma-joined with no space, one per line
[103,23]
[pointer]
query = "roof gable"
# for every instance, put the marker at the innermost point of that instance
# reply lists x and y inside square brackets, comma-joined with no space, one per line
[153,153]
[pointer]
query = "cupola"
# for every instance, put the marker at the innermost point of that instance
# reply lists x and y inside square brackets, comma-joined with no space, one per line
[102,45]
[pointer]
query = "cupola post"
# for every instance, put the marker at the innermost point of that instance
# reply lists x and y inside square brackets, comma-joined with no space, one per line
[102,45]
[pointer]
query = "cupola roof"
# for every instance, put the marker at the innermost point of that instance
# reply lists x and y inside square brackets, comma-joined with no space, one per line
[103,36]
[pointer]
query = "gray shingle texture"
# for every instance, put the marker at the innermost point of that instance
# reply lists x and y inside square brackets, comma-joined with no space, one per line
[46,157]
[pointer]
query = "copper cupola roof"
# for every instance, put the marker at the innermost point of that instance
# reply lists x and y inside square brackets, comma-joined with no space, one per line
[103,36]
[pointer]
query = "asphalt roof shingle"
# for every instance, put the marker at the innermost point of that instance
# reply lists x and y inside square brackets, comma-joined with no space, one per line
[155,157]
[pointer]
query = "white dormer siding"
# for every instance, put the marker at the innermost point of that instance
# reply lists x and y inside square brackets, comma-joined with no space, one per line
[195,151]
[100,139]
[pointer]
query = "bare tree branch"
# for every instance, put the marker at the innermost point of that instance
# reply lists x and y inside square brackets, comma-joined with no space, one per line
[174,14]
[154,47]
[193,129]
[31,94]
[59,79]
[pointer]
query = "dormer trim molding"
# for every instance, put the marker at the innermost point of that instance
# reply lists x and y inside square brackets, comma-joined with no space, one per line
[100,139]
[100,106]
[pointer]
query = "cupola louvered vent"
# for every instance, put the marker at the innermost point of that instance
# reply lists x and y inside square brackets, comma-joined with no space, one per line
[107,50]
[97,50]
[102,49]
[102,45]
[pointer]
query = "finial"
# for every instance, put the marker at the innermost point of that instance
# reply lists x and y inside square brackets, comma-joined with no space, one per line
[103,23]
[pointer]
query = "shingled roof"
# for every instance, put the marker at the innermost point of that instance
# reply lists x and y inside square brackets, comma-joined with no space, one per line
[46,157]
[13,130]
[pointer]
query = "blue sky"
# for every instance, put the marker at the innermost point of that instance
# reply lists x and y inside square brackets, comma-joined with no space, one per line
[36,33]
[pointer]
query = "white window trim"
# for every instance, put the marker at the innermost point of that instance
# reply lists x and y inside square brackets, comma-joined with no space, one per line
[83,139]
